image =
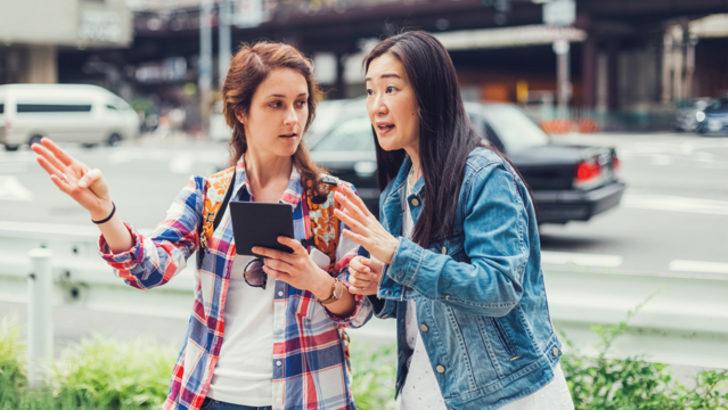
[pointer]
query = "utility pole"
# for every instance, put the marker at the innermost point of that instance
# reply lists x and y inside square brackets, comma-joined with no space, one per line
[205,63]
[224,40]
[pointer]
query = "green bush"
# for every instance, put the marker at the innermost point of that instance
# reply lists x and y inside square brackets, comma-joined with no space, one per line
[105,374]
[102,373]
[606,383]
[12,376]
[373,377]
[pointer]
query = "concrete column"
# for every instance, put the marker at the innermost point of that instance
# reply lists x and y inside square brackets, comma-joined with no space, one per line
[41,65]
[588,76]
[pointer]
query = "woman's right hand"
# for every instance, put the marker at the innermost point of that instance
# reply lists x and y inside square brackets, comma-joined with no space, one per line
[85,186]
[364,277]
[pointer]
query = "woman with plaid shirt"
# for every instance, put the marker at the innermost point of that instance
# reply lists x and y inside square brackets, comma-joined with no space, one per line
[266,332]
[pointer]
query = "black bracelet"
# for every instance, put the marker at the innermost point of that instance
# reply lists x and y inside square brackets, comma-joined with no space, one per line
[113,210]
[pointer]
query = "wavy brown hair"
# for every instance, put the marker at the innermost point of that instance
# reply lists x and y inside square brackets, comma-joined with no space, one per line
[249,67]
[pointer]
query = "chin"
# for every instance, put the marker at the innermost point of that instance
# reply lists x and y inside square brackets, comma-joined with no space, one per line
[388,144]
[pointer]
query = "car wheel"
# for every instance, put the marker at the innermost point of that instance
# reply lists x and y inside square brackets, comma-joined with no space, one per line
[113,140]
[35,139]
[10,147]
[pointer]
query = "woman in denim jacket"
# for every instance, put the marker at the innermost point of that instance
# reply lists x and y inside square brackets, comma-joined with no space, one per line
[456,258]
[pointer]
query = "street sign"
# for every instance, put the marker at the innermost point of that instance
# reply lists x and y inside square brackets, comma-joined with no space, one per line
[559,12]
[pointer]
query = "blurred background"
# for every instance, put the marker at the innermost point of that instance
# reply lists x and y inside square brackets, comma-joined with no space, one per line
[615,112]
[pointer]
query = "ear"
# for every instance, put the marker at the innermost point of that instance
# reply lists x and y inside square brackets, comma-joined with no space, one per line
[240,116]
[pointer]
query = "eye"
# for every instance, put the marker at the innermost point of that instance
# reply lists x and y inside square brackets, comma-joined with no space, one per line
[370,91]
[390,89]
[300,103]
[275,104]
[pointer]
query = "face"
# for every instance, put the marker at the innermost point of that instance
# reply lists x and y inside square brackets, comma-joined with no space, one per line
[278,113]
[392,104]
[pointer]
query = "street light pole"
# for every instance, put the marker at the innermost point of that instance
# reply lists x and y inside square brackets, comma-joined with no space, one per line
[205,63]
[224,40]
[563,71]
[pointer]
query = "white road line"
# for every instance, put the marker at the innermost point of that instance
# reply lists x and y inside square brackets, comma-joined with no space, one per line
[12,190]
[581,259]
[672,203]
[682,265]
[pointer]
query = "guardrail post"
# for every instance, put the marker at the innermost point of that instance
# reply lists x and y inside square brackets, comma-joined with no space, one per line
[40,326]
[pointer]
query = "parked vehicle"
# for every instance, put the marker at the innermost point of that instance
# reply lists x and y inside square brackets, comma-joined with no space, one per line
[81,113]
[714,118]
[686,113]
[568,182]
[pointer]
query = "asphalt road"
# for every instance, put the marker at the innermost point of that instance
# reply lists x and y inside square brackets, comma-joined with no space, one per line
[674,216]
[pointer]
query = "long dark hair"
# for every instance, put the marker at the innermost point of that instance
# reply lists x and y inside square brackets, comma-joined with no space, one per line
[446,136]
[249,67]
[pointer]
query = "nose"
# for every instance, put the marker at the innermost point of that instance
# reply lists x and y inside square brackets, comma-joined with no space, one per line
[291,118]
[379,107]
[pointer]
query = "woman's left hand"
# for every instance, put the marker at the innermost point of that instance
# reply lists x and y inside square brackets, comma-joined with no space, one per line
[364,227]
[297,268]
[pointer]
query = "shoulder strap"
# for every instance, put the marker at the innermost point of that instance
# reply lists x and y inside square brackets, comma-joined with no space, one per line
[325,226]
[319,199]
[217,195]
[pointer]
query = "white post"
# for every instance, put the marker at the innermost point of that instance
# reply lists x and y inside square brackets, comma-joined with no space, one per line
[40,326]
[224,41]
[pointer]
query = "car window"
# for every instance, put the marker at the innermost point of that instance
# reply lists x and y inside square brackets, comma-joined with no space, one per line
[352,135]
[514,129]
[59,108]
[720,104]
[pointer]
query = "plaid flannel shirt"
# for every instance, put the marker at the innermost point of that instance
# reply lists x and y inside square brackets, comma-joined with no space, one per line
[311,367]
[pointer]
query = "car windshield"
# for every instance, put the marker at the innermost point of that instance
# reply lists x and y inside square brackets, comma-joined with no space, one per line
[352,135]
[718,105]
[515,130]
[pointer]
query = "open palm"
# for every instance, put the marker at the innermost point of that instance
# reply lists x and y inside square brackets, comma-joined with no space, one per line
[86,186]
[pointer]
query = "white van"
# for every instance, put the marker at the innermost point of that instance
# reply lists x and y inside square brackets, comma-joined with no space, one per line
[81,113]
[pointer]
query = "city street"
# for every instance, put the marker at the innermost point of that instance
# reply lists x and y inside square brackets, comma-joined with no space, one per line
[674,215]
[673,219]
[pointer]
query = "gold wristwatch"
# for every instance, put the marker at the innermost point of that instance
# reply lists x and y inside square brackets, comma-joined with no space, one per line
[337,290]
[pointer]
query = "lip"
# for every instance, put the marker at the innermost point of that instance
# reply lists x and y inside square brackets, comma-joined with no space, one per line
[384,127]
[291,135]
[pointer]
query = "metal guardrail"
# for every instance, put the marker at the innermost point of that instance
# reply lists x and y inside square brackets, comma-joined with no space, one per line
[682,318]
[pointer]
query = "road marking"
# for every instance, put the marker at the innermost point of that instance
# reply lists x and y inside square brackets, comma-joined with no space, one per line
[672,203]
[682,265]
[12,190]
[581,259]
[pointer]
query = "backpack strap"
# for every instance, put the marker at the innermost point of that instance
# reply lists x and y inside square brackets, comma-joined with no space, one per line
[318,200]
[219,189]
[325,226]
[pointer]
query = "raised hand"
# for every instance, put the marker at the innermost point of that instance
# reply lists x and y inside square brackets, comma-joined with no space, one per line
[85,186]
[364,229]
[364,275]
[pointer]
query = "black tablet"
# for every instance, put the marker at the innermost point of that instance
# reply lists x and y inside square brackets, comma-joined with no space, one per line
[260,224]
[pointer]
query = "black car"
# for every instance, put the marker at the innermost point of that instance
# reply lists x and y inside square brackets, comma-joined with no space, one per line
[713,119]
[568,182]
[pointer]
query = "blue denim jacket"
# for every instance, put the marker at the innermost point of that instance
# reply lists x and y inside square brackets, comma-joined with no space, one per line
[480,297]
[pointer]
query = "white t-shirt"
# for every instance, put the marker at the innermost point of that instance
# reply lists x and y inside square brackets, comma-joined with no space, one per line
[244,370]
[420,390]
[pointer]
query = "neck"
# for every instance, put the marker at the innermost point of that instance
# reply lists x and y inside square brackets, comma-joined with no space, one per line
[414,155]
[261,168]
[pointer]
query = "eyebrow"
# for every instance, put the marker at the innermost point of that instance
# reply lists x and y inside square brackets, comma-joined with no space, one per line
[386,75]
[284,96]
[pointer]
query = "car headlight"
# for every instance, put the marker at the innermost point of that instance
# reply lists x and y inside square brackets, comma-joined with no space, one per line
[700,116]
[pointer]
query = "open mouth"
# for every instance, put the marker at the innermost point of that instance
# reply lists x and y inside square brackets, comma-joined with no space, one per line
[384,127]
